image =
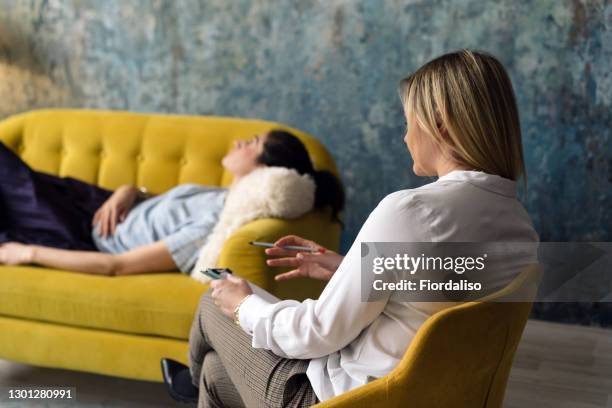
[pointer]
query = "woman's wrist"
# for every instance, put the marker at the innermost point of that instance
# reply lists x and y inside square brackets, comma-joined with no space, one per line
[237,309]
[34,252]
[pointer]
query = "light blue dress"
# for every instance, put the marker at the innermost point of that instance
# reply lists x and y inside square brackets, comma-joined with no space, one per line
[183,218]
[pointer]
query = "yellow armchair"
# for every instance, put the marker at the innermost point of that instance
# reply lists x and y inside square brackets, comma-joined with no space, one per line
[122,326]
[461,357]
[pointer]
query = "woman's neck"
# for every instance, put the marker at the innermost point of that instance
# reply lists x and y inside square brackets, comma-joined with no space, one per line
[235,181]
[446,167]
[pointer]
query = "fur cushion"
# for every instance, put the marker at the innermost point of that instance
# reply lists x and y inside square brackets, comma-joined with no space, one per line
[266,192]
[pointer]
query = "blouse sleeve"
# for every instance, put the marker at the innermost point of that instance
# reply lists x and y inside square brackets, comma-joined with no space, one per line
[315,328]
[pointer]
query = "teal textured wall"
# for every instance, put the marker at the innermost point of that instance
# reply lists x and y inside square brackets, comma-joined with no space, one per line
[332,68]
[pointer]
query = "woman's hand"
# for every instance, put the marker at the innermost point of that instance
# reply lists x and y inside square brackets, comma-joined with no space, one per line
[316,265]
[115,209]
[229,292]
[15,253]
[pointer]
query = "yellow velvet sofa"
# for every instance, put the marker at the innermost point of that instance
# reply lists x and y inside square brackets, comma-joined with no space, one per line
[122,326]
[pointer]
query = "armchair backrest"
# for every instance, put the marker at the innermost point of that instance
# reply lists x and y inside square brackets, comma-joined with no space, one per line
[460,357]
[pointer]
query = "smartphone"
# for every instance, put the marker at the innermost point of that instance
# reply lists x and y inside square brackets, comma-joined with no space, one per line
[216,273]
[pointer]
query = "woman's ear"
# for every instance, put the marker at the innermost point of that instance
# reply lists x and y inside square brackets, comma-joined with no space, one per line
[442,129]
[440,125]
[443,132]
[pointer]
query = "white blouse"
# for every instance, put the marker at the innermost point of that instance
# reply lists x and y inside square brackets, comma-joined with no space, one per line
[351,342]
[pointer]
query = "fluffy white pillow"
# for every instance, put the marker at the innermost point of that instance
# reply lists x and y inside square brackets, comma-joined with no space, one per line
[267,192]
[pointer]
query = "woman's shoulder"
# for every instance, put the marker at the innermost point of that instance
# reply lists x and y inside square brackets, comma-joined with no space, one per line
[440,193]
[399,216]
[414,208]
[412,198]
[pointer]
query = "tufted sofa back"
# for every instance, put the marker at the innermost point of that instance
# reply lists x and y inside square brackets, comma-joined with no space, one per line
[111,148]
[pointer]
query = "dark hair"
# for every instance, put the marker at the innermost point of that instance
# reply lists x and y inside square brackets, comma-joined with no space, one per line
[284,149]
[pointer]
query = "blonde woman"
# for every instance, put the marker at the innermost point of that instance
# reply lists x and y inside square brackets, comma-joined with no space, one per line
[463,127]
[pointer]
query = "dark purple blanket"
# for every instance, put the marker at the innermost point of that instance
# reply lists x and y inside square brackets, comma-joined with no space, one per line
[38,208]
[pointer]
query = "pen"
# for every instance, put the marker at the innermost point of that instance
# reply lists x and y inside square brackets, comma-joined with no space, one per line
[290,247]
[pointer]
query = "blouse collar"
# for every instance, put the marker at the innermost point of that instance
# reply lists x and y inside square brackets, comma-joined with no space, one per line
[491,182]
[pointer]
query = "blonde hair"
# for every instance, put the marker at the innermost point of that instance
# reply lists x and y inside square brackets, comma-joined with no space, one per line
[469,94]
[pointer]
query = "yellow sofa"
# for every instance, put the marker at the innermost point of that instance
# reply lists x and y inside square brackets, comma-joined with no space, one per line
[122,326]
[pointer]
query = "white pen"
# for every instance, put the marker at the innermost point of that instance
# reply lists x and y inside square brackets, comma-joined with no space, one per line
[290,247]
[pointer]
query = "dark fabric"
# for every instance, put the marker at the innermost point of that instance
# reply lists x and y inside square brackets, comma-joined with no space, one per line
[38,208]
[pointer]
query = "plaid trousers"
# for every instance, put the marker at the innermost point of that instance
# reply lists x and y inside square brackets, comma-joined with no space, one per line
[231,373]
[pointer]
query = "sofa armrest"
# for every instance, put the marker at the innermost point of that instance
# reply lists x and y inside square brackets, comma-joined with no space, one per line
[11,132]
[250,262]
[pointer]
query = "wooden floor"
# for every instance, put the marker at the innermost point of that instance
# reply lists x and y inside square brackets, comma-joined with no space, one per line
[561,366]
[556,366]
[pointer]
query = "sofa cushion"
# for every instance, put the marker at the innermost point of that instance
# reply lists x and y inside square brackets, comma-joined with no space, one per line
[160,304]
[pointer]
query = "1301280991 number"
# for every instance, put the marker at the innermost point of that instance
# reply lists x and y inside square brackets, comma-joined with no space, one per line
[40,393]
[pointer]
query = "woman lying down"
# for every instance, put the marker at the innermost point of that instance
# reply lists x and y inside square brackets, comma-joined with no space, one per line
[67,224]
